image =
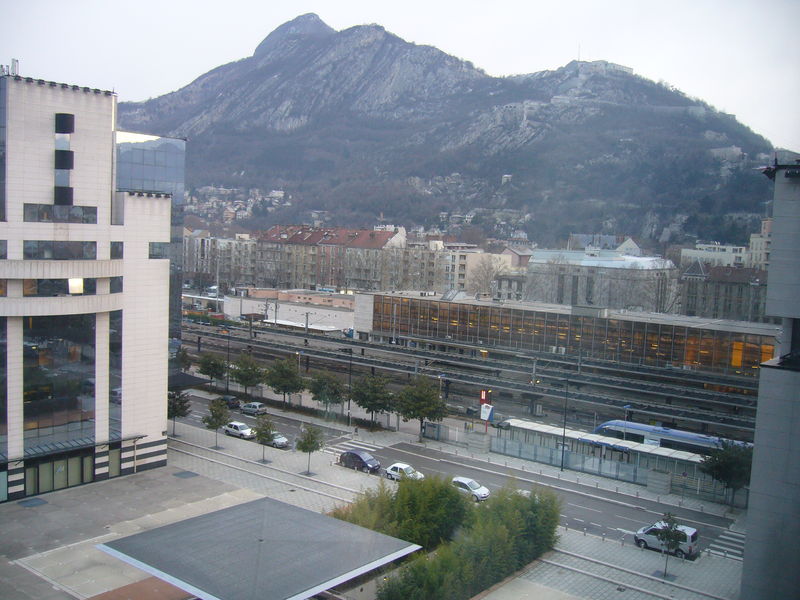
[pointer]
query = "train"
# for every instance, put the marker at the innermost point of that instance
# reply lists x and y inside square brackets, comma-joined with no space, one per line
[656,435]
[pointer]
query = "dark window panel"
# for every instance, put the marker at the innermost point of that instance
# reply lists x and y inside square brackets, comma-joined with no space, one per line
[65,159]
[65,123]
[62,195]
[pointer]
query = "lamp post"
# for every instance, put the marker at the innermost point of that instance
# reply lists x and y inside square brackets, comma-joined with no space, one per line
[564,430]
[227,360]
[625,426]
[349,352]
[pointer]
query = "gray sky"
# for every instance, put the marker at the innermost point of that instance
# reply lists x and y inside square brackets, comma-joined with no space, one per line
[733,54]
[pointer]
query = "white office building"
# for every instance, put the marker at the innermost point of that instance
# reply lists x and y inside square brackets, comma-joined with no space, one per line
[84,291]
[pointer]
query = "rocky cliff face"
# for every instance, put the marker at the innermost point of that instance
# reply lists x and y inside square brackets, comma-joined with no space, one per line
[360,122]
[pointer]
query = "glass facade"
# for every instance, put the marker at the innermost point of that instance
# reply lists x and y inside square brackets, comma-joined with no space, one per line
[622,340]
[147,163]
[58,383]
[50,250]
[115,375]
[79,286]
[49,213]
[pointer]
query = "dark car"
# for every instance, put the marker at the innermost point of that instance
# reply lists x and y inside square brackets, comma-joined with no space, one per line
[231,401]
[359,459]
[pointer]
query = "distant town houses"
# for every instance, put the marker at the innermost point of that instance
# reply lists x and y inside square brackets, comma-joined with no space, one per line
[596,270]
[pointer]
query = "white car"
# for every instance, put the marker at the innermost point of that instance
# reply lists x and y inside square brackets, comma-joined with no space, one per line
[465,485]
[647,537]
[239,429]
[278,441]
[400,470]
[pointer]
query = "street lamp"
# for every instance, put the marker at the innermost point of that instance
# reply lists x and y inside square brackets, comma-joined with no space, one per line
[625,426]
[564,430]
[227,333]
[349,352]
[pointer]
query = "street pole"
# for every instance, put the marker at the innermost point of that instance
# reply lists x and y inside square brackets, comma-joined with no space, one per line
[625,426]
[564,430]
[349,384]
[228,362]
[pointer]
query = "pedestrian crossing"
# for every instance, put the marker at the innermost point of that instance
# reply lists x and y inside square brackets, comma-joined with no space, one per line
[344,444]
[729,544]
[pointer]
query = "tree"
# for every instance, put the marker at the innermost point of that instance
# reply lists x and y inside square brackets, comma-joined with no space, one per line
[212,366]
[218,415]
[183,358]
[265,431]
[729,464]
[310,440]
[246,372]
[326,389]
[178,405]
[670,537]
[485,271]
[283,378]
[372,394]
[421,401]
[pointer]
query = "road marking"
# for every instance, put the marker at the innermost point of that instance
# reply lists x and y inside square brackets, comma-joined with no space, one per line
[625,531]
[583,507]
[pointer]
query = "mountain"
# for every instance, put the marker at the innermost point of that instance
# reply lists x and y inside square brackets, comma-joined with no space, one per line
[363,124]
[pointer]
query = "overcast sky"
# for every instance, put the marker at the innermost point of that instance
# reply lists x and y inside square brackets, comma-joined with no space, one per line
[734,54]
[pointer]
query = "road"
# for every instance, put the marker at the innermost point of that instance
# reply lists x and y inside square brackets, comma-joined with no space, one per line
[599,512]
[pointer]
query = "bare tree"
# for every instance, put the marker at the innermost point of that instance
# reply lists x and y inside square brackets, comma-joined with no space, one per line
[488,267]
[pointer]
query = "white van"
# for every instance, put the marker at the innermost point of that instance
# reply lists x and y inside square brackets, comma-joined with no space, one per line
[647,537]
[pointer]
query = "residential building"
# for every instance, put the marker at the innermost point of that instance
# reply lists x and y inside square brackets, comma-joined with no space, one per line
[735,293]
[84,292]
[602,278]
[758,257]
[716,254]
[771,552]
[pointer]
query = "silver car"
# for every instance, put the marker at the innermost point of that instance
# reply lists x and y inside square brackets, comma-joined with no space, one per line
[239,429]
[399,471]
[465,485]
[254,408]
[278,441]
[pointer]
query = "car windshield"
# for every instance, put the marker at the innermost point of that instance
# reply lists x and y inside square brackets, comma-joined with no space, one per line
[473,485]
[408,470]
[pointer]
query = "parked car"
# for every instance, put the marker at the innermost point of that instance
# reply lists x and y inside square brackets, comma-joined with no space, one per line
[278,441]
[400,470]
[647,537]
[359,459]
[465,485]
[254,408]
[504,424]
[231,401]
[239,429]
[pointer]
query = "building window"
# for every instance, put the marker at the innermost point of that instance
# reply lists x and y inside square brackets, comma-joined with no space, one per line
[65,123]
[60,287]
[65,159]
[58,381]
[159,250]
[116,250]
[62,195]
[50,250]
[48,213]
[115,285]
[3,249]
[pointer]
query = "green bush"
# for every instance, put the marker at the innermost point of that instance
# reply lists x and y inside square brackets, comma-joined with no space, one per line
[508,531]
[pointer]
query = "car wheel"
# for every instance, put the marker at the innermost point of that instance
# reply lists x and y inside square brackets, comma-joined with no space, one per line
[227,432]
[680,553]
[641,543]
[476,499]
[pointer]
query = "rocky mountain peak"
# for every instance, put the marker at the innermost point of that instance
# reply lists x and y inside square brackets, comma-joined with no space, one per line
[308,25]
